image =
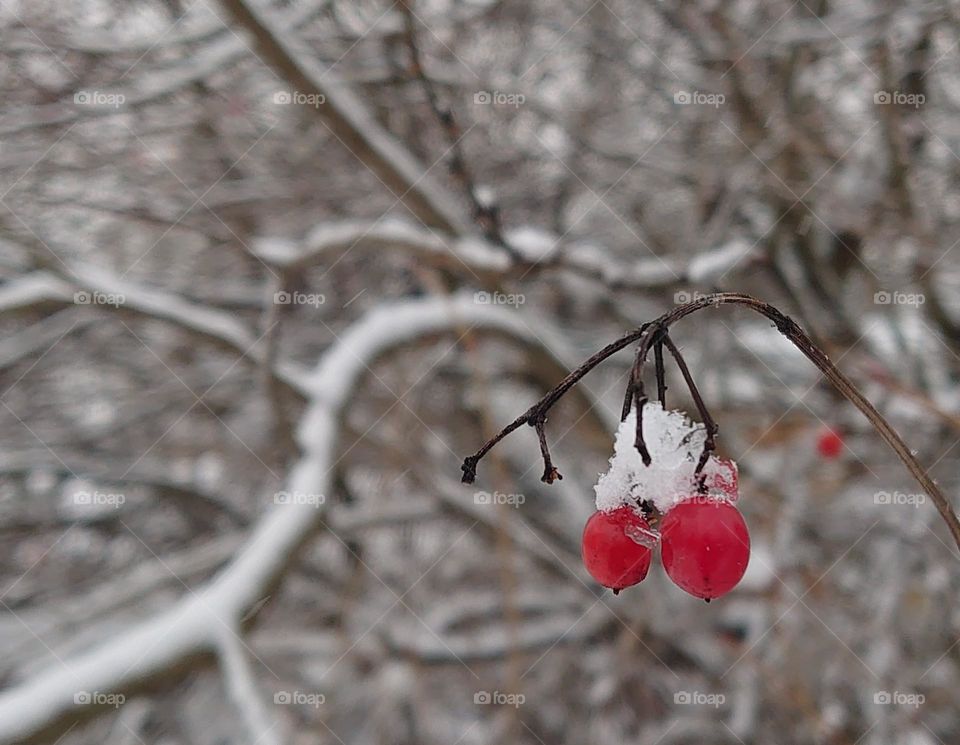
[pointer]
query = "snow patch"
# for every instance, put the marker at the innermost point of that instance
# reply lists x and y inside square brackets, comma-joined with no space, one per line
[533,244]
[675,444]
[716,263]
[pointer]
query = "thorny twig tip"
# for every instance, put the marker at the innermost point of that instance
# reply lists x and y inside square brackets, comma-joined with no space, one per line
[550,475]
[469,469]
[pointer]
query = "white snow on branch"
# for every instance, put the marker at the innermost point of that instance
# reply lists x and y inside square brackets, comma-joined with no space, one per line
[656,271]
[197,622]
[330,241]
[153,85]
[40,287]
[533,244]
[32,290]
[349,119]
[712,264]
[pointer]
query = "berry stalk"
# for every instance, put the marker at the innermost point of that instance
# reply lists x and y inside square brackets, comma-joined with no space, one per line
[649,334]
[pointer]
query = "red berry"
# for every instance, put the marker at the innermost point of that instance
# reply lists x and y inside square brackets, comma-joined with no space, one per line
[829,444]
[617,547]
[705,546]
[724,479]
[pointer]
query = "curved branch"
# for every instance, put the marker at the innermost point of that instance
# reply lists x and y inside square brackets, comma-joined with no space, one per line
[536,414]
[648,334]
[196,623]
[43,288]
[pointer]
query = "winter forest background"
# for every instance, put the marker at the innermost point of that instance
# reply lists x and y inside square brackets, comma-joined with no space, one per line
[270,269]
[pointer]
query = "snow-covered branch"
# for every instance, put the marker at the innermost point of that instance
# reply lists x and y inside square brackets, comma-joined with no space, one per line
[349,120]
[328,242]
[41,288]
[152,86]
[197,622]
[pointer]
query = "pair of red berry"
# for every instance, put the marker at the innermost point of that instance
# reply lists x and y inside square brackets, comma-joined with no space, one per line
[704,546]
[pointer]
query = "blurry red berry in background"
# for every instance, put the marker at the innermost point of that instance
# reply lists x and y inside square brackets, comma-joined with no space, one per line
[616,547]
[705,546]
[829,444]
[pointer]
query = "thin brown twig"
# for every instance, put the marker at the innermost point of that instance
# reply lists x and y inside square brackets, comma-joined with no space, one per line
[537,412]
[709,423]
[648,333]
[661,373]
[487,216]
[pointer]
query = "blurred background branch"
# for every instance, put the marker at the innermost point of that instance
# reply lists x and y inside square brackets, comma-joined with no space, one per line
[210,538]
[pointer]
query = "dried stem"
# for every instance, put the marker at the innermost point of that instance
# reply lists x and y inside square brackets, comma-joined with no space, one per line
[550,473]
[641,400]
[709,423]
[661,374]
[648,335]
[538,411]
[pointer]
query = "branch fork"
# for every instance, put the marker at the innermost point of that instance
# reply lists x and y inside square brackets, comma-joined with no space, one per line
[654,335]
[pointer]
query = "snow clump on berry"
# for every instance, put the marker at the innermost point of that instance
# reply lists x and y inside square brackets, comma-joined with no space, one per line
[675,444]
